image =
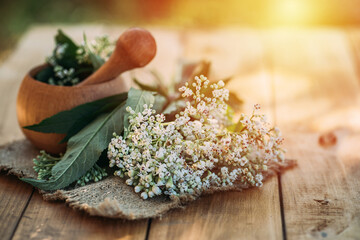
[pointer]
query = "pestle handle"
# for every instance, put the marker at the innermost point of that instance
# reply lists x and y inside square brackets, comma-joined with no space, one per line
[135,48]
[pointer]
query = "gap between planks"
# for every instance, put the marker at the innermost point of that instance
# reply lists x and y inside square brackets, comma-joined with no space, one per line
[269,66]
[14,198]
[20,194]
[22,213]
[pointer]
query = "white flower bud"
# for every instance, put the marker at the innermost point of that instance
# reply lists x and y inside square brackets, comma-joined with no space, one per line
[156,190]
[138,188]
[151,194]
[221,84]
[131,173]
[144,195]
[129,181]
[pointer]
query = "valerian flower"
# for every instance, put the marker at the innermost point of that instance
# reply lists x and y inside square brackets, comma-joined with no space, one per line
[196,151]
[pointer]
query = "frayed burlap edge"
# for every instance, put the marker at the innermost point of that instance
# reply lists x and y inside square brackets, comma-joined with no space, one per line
[110,198]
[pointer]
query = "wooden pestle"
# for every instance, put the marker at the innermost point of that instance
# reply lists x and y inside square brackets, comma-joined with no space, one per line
[135,48]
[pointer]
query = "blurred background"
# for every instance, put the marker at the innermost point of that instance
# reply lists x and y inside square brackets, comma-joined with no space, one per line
[17,16]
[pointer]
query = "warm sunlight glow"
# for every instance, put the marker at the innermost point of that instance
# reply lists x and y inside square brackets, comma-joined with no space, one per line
[292,9]
[290,12]
[270,13]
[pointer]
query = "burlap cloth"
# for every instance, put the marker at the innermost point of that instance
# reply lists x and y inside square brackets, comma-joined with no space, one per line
[110,197]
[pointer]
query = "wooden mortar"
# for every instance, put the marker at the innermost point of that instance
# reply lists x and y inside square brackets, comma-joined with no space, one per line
[37,100]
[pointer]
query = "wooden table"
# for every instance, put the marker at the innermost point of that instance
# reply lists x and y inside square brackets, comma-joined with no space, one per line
[307,82]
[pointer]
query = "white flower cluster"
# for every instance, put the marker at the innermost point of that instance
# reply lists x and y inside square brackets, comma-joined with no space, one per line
[195,152]
[101,47]
[65,76]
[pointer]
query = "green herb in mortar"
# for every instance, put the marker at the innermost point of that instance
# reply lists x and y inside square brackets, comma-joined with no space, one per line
[71,63]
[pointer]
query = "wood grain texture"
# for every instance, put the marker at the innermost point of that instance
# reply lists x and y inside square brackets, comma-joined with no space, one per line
[230,215]
[251,214]
[14,196]
[318,97]
[46,220]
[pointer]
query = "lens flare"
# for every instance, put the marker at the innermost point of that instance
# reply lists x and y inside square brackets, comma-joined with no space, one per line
[293,12]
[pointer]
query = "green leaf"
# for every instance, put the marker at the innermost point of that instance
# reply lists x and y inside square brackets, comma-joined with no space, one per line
[239,126]
[96,60]
[62,38]
[45,74]
[136,100]
[159,103]
[84,149]
[145,87]
[231,128]
[72,121]
[174,106]
[161,85]
[68,59]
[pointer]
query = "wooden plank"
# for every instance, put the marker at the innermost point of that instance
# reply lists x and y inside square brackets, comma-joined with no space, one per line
[251,214]
[229,215]
[14,194]
[14,197]
[318,101]
[46,220]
